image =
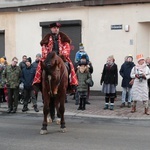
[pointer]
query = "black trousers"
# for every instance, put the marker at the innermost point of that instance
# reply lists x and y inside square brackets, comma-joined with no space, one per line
[109,97]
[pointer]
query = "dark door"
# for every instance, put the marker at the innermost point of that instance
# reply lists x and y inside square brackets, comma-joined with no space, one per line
[72,29]
[2,43]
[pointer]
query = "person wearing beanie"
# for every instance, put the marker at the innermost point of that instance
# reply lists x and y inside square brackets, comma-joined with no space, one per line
[140,74]
[27,78]
[81,53]
[2,67]
[125,71]
[84,77]
[90,67]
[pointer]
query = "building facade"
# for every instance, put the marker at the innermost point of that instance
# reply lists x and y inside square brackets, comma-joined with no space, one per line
[106,28]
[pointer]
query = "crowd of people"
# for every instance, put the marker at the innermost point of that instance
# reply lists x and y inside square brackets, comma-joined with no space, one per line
[135,77]
[135,82]
[12,76]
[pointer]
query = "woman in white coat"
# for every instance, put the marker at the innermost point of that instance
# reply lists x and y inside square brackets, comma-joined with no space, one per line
[140,73]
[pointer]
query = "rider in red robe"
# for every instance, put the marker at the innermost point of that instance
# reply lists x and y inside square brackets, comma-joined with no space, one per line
[60,43]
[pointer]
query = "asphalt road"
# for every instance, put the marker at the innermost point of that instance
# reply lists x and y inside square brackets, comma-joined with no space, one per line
[22,132]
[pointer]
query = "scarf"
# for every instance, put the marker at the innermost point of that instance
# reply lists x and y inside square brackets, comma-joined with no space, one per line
[141,68]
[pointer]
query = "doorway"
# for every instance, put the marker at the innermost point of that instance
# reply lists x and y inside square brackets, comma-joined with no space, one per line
[2,43]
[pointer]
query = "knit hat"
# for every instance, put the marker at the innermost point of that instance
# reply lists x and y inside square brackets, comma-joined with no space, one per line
[81,47]
[5,57]
[82,63]
[2,60]
[139,57]
[29,60]
[38,55]
[83,57]
[130,56]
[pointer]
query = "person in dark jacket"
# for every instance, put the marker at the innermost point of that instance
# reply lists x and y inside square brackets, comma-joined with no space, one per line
[22,64]
[109,79]
[125,71]
[37,59]
[27,77]
[37,87]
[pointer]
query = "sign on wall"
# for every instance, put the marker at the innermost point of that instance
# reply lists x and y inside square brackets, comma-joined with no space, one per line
[116,27]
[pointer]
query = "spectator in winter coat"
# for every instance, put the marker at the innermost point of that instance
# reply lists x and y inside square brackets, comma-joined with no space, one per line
[109,80]
[84,79]
[80,53]
[11,77]
[90,68]
[37,87]
[22,64]
[37,59]
[2,67]
[126,86]
[27,77]
[140,73]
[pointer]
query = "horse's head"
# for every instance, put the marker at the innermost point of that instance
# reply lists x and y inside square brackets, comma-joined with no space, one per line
[51,63]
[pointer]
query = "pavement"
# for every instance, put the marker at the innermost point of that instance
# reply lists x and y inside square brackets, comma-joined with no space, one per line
[95,109]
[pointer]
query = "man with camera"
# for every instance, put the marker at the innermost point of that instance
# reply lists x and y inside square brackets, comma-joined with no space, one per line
[140,73]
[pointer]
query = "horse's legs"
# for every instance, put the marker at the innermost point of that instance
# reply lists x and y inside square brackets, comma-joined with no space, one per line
[52,108]
[62,110]
[45,112]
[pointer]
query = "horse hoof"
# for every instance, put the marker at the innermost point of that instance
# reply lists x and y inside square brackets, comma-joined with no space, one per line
[63,130]
[42,132]
[58,121]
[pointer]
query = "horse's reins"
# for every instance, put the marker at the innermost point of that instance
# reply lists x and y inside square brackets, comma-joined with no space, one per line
[49,79]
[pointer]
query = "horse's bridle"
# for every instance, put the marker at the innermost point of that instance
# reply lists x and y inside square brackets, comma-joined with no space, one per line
[49,80]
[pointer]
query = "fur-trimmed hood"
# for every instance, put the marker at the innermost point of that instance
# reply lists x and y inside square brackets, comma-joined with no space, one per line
[63,36]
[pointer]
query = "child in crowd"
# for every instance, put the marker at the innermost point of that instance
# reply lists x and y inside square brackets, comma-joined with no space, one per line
[84,80]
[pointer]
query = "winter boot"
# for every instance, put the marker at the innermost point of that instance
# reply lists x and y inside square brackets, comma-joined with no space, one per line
[133,109]
[84,103]
[80,105]
[9,110]
[106,106]
[111,106]
[146,111]
[25,108]
[129,104]
[122,105]
[35,108]
[14,110]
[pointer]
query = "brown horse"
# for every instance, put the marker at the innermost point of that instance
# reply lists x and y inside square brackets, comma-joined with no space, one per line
[54,86]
